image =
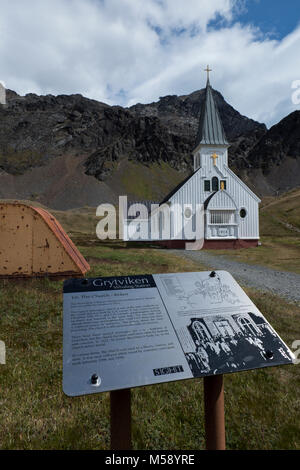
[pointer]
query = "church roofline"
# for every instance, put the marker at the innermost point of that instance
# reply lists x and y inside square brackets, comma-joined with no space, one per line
[200,146]
[243,185]
[210,130]
[179,187]
[218,193]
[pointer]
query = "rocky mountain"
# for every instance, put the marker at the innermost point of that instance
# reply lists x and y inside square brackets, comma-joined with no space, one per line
[180,114]
[70,151]
[276,156]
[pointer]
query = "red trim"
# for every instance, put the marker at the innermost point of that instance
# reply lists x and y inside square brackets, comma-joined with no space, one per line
[64,239]
[229,244]
[210,244]
[175,244]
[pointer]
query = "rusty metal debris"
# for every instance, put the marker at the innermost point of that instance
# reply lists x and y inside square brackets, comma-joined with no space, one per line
[34,244]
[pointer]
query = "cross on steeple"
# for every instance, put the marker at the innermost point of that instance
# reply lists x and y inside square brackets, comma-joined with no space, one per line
[207,70]
[214,157]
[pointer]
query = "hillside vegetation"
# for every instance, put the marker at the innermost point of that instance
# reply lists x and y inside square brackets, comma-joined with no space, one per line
[280,235]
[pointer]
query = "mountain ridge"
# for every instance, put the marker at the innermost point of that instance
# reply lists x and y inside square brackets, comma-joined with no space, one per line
[55,149]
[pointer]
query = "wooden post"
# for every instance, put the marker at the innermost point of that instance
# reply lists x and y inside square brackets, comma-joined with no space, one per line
[214,412]
[120,419]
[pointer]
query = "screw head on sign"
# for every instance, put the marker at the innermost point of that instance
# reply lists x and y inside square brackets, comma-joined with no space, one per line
[94,379]
[269,354]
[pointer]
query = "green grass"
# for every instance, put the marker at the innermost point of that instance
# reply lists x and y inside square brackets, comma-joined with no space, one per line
[152,182]
[280,253]
[280,235]
[285,208]
[262,407]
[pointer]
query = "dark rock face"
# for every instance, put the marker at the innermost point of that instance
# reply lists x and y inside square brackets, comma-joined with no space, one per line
[275,159]
[36,130]
[281,141]
[180,115]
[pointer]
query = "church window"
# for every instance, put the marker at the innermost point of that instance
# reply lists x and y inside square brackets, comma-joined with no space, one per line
[201,331]
[243,213]
[215,184]
[188,213]
[224,328]
[223,184]
[206,185]
[222,217]
[246,325]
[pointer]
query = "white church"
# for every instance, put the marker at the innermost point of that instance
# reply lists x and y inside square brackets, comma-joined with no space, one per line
[230,208]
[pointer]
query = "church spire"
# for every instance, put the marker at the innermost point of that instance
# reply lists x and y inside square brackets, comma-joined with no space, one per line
[210,131]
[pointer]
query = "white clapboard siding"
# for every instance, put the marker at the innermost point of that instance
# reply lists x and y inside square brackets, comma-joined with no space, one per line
[237,195]
[222,207]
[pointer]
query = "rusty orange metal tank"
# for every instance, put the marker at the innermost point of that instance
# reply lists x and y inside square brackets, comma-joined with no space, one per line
[34,244]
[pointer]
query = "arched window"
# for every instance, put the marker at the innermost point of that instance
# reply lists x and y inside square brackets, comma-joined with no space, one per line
[246,324]
[201,331]
[215,184]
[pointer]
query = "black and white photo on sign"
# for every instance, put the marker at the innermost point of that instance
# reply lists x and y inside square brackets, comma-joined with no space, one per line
[225,343]
[219,328]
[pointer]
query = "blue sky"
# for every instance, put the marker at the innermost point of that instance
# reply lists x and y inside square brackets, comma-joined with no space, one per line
[128,51]
[273,17]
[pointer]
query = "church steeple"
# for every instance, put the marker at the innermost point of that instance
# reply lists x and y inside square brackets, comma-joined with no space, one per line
[210,131]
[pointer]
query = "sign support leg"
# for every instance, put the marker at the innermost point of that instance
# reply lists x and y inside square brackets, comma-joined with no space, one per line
[214,412]
[120,419]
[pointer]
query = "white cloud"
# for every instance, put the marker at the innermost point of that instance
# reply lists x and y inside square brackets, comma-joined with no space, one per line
[128,51]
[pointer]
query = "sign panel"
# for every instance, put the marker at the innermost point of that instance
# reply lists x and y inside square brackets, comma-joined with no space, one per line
[129,331]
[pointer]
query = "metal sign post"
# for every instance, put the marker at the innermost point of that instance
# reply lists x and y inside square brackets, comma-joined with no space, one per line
[120,416]
[214,412]
[120,419]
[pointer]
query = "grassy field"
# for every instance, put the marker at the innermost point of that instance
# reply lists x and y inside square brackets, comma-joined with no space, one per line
[280,235]
[262,407]
[279,230]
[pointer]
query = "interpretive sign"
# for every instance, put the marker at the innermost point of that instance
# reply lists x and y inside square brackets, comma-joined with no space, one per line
[130,331]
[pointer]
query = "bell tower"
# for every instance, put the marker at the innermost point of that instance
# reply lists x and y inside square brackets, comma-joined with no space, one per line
[211,150]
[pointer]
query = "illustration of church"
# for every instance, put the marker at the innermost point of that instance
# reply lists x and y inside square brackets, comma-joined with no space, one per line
[231,209]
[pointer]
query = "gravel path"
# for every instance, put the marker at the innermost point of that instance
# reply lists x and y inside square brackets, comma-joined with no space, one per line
[284,284]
